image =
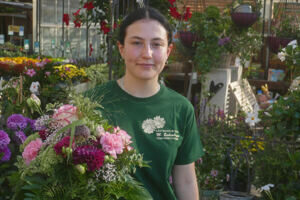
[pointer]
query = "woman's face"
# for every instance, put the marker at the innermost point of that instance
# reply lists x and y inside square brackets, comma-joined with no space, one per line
[145,50]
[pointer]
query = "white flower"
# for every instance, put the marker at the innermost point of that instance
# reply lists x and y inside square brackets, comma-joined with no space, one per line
[281,55]
[293,44]
[159,122]
[34,88]
[268,114]
[148,126]
[252,118]
[266,187]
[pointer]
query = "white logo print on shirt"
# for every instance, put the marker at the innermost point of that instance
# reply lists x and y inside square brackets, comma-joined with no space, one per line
[149,125]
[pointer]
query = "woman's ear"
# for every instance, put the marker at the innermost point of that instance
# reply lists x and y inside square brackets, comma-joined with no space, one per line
[121,48]
[170,47]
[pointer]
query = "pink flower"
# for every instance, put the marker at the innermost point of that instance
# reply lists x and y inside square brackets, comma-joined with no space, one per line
[125,137]
[47,73]
[100,131]
[112,144]
[214,172]
[66,114]
[30,72]
[31,150]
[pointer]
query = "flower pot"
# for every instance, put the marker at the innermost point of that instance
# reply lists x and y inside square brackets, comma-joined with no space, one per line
[275,43]
[188,38]
[244,20]
[233,195]
[225,60]
[209,194]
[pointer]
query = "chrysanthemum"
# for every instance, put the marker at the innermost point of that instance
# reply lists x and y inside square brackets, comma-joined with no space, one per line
[4,139]
[16,122]
[6,154]
[90,155]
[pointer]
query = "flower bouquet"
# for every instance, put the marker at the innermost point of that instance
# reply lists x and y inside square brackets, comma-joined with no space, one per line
[77,155]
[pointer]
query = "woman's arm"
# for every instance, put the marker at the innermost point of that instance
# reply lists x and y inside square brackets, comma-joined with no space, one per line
[185,182]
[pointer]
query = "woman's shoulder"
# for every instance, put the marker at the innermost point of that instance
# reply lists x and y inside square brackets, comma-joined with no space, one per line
[100,90]
[177,98]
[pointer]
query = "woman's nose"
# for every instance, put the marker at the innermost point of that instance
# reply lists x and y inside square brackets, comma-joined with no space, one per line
[147,50]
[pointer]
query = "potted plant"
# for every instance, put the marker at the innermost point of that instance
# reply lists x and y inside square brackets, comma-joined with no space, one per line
[245,15]
[284,29]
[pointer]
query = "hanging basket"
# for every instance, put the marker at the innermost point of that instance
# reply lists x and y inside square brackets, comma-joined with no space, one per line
[275,43]
[188,38]
[244,20]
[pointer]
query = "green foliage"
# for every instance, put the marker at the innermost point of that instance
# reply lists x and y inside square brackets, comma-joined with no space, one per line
[10,50]
[283,121]
[208,26]
[279,163]
[97,73]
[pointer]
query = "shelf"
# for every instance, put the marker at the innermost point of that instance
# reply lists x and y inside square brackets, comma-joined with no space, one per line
[279,86]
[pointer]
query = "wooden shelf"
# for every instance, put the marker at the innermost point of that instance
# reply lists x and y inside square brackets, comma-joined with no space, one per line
[280,86]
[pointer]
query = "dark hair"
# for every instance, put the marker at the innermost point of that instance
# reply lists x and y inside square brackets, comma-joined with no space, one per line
[144,13]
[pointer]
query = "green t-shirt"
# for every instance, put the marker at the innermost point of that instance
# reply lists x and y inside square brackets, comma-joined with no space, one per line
[163,128]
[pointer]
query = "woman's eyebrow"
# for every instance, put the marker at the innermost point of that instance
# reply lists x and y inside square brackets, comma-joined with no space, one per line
[140,38]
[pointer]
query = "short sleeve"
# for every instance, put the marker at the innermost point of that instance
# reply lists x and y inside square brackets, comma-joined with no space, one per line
[191,147]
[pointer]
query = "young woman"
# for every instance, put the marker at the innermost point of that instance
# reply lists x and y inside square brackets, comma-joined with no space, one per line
[160,121]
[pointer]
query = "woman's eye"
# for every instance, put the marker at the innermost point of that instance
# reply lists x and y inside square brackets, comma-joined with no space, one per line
[156,44]
[136,43]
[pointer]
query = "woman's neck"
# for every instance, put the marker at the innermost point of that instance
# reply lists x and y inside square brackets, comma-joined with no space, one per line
[139,88]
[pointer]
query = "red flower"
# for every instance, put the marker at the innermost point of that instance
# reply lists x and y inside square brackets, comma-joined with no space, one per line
[65,142]
[66,19]
[187,15]
[77,12]
[90,155]
[104,27]
[89,5]
[172,2]
[91,49]
[174,13]
[77,23]
[115,25]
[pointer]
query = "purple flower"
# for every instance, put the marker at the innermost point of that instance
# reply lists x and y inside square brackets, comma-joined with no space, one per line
[90,155]
[20,137]
[16,122]
[223,41]
[4,139]
[4,154]
[41,64]
[31,122]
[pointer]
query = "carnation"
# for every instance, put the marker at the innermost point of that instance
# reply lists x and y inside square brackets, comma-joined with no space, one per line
[90,155]
[31,150]
[112,144]
[66,114]
[4,154]
[16,122]
[4,139]
[65,142]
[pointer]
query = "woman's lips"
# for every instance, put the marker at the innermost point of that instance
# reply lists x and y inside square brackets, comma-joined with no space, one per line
[145,65]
